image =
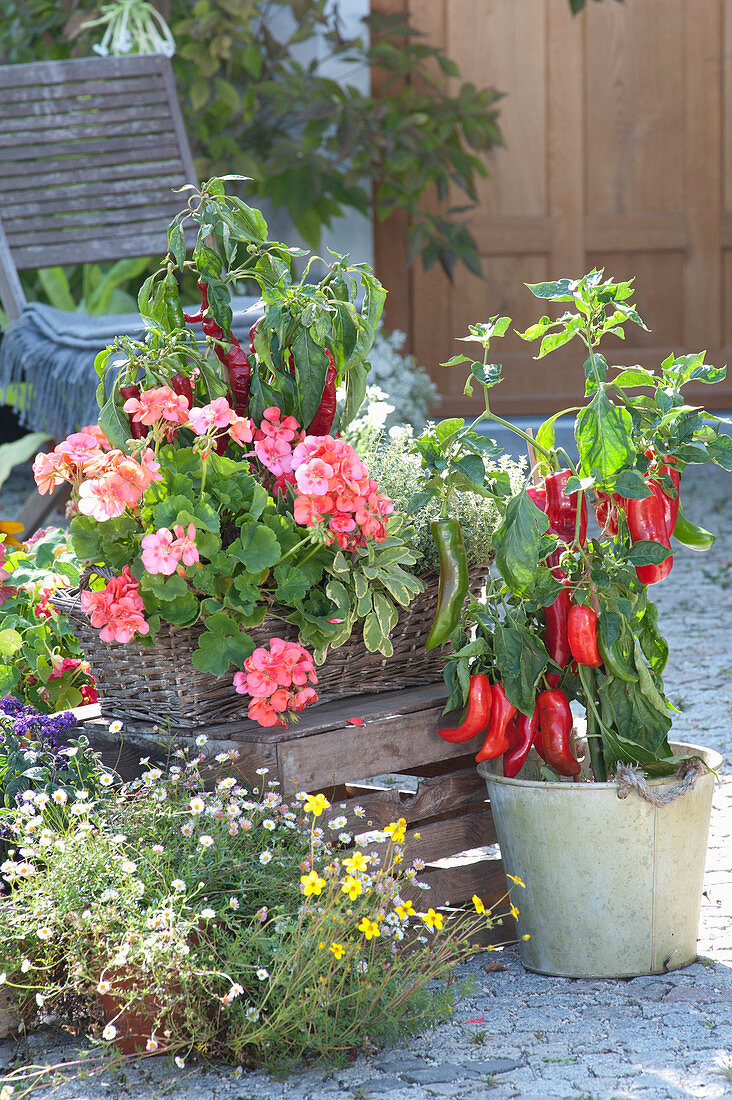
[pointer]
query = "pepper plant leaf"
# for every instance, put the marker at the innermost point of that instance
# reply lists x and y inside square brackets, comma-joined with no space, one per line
[604,437]
[516,542]
[521,658]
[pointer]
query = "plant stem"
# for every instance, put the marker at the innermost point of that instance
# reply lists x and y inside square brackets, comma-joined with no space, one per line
[488,415]
[594,741]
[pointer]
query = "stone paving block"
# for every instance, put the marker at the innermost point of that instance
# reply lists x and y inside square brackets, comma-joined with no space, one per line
[377,1086]
[394,1061]
[490,1066]
[432,1075]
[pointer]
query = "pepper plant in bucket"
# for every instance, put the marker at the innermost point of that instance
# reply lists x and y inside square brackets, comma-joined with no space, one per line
[568,615]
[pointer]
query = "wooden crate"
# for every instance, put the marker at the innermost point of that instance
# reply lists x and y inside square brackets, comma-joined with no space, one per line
[430,783]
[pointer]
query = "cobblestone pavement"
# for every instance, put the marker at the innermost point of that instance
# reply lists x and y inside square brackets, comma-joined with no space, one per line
[533,1037]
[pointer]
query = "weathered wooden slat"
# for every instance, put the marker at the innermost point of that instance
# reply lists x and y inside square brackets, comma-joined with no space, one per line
[56,201]
[471,873]
[36,127]
[80,227]
[439,839]
[91,251]
[89,132]
[105,70]
[48,106]
[650,232]
[121,147]
[16,177]
[433,796]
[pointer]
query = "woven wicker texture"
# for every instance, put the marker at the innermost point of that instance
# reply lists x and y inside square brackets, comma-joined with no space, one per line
[161,684]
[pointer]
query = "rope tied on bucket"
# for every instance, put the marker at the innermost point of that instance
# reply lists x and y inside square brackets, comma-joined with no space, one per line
[629,778]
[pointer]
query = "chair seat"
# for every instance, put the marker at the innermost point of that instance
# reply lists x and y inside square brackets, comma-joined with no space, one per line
[48,355]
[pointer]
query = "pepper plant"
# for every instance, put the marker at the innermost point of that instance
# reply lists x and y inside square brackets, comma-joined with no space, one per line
[568,616]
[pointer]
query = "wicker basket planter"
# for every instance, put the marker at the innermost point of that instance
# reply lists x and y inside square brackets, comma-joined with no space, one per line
[162,685]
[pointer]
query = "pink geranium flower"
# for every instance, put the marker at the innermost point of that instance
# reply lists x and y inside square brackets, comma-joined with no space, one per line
[106,497]
[276,680]
[159,554]
[152,405]
[185,544]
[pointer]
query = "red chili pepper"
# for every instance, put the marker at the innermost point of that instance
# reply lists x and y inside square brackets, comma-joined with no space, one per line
[477,717]
[555,722]
[555,635]
[240,374]
[670,504]
[582,635]
[561,508]
[523,729]
[195,318]
[137,430]
[647,522]
[322,422]
[502,712]
[607,513]
[252,333]
[181,384]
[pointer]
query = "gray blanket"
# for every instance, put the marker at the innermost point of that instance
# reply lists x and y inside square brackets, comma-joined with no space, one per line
[48,356]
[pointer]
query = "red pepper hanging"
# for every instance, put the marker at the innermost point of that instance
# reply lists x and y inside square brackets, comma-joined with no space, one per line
[522,731]
[322,422]
[480,697]
[555,635]
[197,317]
[555,722]
[240,374]
[181,384]
[607,513]
[582,635]
[561,508]
[502,712]
[669,504]
[252,334]
[137,430]
[538,495]
[647,522]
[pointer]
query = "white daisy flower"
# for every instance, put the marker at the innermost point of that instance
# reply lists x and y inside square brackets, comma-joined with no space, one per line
[158,849]
[252,1014]
[197,805]
[201,740]
[265,858]
[178,884]
[208,914]
[106,780]
[262,771]
[109,1032]
[263,974]
[44,933]
[233,903]
[128,866]
[268,824]
[116,726]
[205,841]
[60,797]
[188,828]
[152,1045]
[104,986]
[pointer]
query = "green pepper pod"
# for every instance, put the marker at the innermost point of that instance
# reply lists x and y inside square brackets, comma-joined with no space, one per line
[453,589]
[174,310]
[691,536]
[615,660]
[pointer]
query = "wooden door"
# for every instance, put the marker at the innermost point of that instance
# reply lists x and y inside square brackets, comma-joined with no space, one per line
[618,154]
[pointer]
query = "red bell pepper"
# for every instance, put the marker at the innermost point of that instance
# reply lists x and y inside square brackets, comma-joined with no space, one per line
[502,712]
[606,510]
[477,717]
[647,522]
[582,635]
[538,495]
[561,508]
[555,722]
[522,730]
[555,635]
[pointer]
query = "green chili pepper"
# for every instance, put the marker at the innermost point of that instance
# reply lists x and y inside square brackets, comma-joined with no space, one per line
[175,316]
[691,536]
[616,661]
[453,579]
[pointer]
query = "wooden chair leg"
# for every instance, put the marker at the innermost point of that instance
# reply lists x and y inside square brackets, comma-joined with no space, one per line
[36,508]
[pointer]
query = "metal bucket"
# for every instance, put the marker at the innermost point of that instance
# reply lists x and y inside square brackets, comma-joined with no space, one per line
[613,886]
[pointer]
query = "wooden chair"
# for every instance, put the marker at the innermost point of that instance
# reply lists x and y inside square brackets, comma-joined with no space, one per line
[90,151]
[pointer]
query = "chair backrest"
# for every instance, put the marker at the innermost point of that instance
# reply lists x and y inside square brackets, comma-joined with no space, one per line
[89,152]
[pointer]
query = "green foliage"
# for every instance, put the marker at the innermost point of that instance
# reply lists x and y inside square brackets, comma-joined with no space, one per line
[224,916]
[40,660]
[312,143]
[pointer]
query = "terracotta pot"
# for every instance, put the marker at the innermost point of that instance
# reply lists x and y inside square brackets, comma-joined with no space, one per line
[136,1023]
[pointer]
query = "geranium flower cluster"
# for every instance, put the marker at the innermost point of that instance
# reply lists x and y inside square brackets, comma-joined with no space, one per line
[334,491]
[278,681]
[274,444]
[108,480]
[218,416]
[161,553]
[117,609]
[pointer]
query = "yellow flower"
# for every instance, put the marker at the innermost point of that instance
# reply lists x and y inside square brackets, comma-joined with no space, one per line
[432,919]
[357,862]
[518,881]
[397,830]
[398,857]
[321,946]
[369,928]
[10,529]
[315,804]
[312,884]
[514,912]
[338,950]
[352,887]
[526,937]
[479,906]
[406,909]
